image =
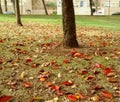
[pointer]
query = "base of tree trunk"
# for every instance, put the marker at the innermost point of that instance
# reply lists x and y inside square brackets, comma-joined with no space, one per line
[70,43]
[19,24]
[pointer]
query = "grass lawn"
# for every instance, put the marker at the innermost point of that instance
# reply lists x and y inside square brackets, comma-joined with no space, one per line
[34,66]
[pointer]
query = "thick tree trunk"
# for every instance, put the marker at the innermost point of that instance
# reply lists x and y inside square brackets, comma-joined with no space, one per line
[0,8]
[69,27]
[5,2]
[45,8]
[91,9]
[17,12]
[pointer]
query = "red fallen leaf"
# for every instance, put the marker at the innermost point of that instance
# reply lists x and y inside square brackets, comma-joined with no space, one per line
[88,58]
[28,60]
[6,98]
[79,55]
[90,77]
[106,94]
[107,71]
[71,97]
[97,87]
[97,65]
[83,71]
[65,61]
[67,83]
[55,87]
[27,84]
[59,93]
[118,93]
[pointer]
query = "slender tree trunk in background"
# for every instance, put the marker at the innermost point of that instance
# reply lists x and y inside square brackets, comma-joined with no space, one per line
[0,8]
[17,13]
[13,2]
[69,27]
[91,9]
[5,2]
[45,8]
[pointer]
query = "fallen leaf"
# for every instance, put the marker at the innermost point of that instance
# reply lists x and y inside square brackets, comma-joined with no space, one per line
[107,71]
[71,97]
[97,65]
[80,96]
[28,60]
[67,83]
[22,75]
[65,61]
[90,77]
[95,98]
[107,94]
[112,80]
[27,84]
[6,98]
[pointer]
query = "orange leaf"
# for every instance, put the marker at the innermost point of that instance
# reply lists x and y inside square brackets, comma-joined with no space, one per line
[106,94]
[71,97]
[6,98]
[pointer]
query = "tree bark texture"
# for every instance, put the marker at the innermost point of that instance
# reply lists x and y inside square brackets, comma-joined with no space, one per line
[17,13]
[0,8]
[45,8]
[69,27]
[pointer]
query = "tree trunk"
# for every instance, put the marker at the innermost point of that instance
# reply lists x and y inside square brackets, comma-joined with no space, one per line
[69,27]
[0,8]
[5,2]
[17,13]
[46,12]
[91,9]
[13,1]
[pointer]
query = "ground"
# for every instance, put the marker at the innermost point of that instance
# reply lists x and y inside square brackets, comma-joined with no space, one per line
[34,66]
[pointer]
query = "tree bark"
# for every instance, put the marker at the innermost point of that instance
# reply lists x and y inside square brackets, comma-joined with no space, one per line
[17,13]
[0,8]
[45,8]
[69,27]
[91,5]
[5,2]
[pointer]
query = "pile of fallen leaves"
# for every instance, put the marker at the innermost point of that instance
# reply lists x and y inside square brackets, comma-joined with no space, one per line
[34,67]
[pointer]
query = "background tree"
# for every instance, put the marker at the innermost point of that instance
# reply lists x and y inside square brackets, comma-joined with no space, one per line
[45,8]
[91,7]
[69,27]
[13,2]
[5,2]
[0,8]
[17,13]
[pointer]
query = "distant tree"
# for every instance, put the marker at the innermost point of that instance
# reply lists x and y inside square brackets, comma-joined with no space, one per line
[0,8]
[91,7]
[69,27]
[45,8]
[5,2]
[13,2]
[17,13]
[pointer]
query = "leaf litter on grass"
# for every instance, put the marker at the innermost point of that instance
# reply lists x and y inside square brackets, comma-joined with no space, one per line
[35,67]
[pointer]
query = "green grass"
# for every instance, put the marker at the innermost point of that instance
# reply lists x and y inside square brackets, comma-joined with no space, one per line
[111,22]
